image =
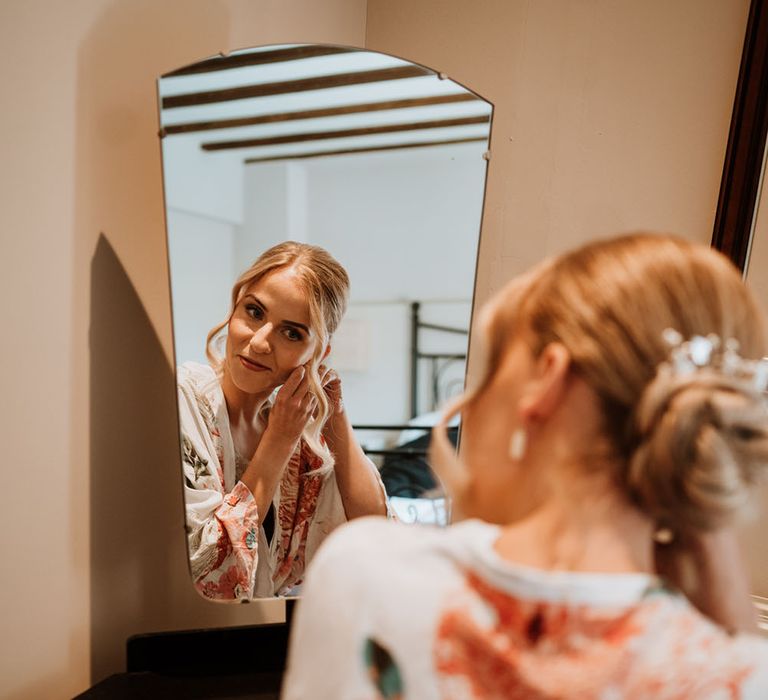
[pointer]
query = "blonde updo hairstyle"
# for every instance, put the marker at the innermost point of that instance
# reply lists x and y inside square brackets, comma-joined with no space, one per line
[685,449]
[326,285]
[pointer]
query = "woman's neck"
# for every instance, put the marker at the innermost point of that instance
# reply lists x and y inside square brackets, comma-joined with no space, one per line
[242,408]
[581,531]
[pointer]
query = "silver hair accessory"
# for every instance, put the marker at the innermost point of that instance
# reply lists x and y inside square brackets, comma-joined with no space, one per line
[710,352]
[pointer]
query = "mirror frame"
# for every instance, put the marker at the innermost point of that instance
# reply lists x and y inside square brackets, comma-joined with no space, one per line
[745,154]
[209,64]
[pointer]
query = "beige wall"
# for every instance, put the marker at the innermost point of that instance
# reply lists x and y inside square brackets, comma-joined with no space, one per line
[92,525]
[609,116]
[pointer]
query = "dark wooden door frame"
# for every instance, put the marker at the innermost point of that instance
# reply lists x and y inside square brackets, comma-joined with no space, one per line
[743,167]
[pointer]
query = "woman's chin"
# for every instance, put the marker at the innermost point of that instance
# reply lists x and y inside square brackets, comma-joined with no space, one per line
[254,385]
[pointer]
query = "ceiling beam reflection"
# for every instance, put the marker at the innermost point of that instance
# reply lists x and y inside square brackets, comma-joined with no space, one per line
[371,149]
[343,133]
[317,113]
[321,82]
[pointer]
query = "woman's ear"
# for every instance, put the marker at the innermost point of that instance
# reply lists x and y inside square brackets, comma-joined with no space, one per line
[327,351]
[546,388]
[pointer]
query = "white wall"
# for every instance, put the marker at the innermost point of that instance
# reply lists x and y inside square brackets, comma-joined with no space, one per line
[405,225]
[198,181]
[274,210]
[202,255]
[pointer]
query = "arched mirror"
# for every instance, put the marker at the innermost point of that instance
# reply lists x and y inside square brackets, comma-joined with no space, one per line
[377,161]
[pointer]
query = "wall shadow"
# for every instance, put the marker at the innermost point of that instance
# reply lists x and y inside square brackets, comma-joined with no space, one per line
[135,510]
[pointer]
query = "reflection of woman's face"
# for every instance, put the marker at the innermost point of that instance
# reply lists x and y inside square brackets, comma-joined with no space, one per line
[269,334]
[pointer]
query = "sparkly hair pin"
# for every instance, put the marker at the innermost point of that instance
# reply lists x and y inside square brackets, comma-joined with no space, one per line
[710,352]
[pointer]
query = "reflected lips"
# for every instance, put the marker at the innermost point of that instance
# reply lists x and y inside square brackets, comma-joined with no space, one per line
[251,365]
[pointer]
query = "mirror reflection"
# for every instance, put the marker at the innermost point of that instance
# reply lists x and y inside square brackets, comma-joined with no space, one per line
[323,209]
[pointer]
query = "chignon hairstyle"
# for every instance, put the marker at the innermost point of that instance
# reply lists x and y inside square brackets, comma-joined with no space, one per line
[685,449]
[326,284]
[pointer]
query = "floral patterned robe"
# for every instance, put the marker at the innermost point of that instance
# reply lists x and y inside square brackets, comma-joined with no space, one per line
[419,613]
[230,557]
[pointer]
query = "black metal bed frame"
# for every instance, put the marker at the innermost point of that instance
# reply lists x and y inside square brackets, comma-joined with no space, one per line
[434,358]
[437,364]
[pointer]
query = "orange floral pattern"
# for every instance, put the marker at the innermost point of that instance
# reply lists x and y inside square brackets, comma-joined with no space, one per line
[300,489]
[437,614]
[230,556]
[490,644]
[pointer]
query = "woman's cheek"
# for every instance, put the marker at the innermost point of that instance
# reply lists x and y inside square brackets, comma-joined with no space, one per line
[297,359]
[305,355]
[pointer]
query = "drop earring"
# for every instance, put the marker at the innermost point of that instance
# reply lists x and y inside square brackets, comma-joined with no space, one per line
[517,444]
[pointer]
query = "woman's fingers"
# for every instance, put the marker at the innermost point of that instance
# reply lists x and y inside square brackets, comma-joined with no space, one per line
[295,378]
[303,387]
[297,384]
[327,375]
[295,392]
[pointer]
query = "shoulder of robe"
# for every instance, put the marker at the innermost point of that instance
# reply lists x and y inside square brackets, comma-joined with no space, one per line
[195,374]
[375,541]
[757,645]
[198,380]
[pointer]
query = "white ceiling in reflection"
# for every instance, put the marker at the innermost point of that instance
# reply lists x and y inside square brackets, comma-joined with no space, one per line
[354,61]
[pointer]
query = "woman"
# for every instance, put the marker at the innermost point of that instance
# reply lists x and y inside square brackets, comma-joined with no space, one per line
[594,434]
[268,476]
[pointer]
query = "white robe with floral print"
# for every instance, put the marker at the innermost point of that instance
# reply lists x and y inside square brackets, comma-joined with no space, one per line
[229,555]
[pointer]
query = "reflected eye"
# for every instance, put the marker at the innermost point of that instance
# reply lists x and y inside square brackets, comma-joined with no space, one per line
[293,334]
[254,311]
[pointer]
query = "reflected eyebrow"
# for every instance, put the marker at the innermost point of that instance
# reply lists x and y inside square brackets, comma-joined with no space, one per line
[295,324]
[256,299]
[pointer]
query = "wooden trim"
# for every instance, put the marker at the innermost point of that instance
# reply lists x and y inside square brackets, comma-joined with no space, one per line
[258,58]
[343,133]
[746,143]
[320,82]
[372,149]
[317,113]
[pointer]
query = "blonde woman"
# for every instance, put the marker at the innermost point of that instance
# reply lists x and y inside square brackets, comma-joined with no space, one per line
[615,434]
[269,475]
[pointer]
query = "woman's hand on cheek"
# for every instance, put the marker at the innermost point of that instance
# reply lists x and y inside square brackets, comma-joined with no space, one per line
[331,384]
[292,409]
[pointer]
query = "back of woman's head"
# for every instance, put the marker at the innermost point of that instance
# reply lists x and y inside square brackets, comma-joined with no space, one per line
[323,279]
[686,447]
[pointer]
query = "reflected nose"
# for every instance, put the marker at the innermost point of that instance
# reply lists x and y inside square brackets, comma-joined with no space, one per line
[260,339]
